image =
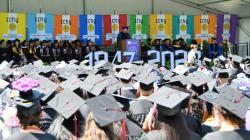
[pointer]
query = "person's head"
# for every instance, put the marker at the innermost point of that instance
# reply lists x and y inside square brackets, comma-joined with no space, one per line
[222,78]
[17,42]
[29,116]
[126,81]
[181,41]
[226,116]
[125,29]
[213,40]
[146,90]
[175,42]
[157,42]
[31,43]
[44,43]
[93,131]
[149,41]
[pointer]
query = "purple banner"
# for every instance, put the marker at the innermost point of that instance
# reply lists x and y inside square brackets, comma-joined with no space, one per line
[133,46]
[226,28]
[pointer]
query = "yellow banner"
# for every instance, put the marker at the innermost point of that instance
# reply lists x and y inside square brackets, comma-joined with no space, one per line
[12,26]
[161,26]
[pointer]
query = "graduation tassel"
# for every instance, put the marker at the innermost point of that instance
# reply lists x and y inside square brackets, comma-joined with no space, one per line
[124,131]
[75,127]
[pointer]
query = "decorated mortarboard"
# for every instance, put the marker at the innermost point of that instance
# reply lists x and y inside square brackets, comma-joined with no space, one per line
[94,84]
[47,87]
[6,71]
[209,96]
[105,110]
[244,87]
[169,100]
[181,69]
[198,78]
[22,92]
[71,83]
[100,64]
[3,84]
[113,84]
[147,77]
[66,103]
[124,74]
[234,101]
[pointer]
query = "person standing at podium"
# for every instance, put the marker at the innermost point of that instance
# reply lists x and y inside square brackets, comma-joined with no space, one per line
[123,34]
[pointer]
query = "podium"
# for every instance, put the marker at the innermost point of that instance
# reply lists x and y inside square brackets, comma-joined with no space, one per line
[131,45]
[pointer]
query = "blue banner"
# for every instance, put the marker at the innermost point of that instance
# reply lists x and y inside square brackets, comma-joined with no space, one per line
[91,28]
[40,26]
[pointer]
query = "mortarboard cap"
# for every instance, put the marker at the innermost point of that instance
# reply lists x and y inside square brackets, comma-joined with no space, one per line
[26,100]
[3,84]
[123,100]
[237,58]
[105,109]
[73,61]
[169,99]
[147,78]
[198,78]
[66,103]
[124,74]
[94,84]
[181,69]
[47,87]
[209,96]
[181,78]
[234,101]
[71,83]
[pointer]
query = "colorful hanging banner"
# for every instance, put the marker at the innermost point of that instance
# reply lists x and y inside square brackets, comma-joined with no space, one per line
[161,26]
[12,26]
[204,27]
[66,27]
[40,26]
[91,28]
[183,27]
[112,26]
[226,28]
[139,26]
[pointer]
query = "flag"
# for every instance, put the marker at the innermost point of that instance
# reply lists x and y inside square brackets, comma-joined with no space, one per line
[66,27]
[40,26]
[161,26]
[226,28]
[91,28]
[112,26]
[204,27]
[139,26]
[183,27]
[13,26]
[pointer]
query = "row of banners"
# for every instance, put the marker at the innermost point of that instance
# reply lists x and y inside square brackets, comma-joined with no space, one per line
[46,26]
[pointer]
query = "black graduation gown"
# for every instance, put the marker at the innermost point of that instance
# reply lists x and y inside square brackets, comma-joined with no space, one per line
[193,124]
[4,54]
[139,110]
[239,134]
[205,129]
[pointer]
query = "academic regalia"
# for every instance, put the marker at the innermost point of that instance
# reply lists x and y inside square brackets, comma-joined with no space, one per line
[138,111]
[193,124]
[4,54]
[15,54]
[212,49]
[205,129]
[45,54]
[127,91]
[239,134]
[169,108]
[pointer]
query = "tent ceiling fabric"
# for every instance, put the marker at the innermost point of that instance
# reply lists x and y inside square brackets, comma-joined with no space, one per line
[237,7]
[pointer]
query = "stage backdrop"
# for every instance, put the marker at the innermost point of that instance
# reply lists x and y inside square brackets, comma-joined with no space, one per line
[12,26]
[183,27]
[112,26]
[66,27]
[139,27]
[91,28]
[161,26]
[204,28]
[40,26]
[226,28]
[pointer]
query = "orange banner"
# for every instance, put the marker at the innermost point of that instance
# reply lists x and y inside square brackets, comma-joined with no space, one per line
[204,27]
[66,27]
